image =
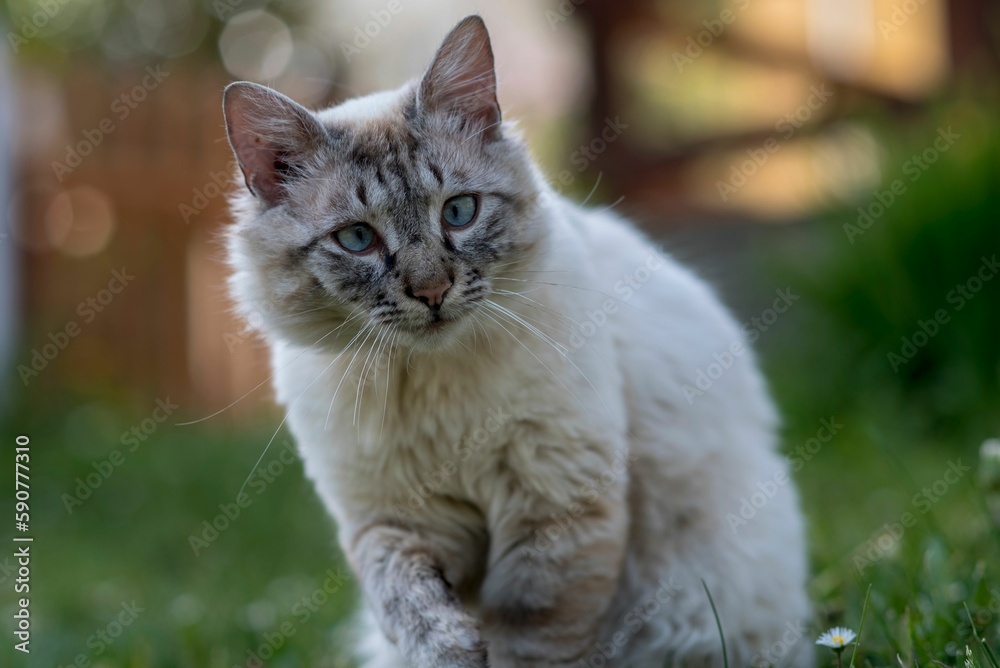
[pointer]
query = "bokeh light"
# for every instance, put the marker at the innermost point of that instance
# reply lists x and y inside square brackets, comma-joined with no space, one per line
[67,26]
[80,221]
[169,29]
[256,45]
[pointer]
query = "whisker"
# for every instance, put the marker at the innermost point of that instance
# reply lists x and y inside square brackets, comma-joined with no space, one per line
[370,361]
[538,321]
[475,340]
[380,342]
[547,309]
[531,328]
[388,376]
[362,375]
[388,335]
[268,379]
[525,260]
[369,327]
[538,305]
[559,348]
[486,332]
[610,206]
[471,351]
[289,411]
[572,287]
[594,189]
[530,352]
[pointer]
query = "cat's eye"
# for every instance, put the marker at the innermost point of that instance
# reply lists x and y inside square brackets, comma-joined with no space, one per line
[460,211]
[356,238]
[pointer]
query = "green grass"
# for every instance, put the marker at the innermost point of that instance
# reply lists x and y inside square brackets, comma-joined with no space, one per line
[130,541]
[902,426]
[921,580]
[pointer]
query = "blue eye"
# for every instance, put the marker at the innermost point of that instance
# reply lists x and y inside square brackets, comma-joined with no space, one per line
[356,238]
[460,211]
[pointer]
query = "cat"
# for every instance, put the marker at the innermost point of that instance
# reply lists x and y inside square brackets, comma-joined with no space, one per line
[494,392]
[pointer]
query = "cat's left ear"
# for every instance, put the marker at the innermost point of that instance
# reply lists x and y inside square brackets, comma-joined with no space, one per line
[273,137]
[462,81]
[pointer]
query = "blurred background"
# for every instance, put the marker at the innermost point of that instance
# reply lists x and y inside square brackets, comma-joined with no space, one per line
[832,166]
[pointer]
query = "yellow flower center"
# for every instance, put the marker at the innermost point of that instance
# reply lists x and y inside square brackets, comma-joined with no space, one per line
[838,640]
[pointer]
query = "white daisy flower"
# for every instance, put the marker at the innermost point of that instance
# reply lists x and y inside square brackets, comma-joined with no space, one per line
[837,638]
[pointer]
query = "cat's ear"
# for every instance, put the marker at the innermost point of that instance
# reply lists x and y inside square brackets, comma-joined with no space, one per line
[461,80]
[273,137]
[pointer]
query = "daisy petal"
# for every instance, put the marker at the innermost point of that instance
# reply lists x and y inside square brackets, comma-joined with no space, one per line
[837,638]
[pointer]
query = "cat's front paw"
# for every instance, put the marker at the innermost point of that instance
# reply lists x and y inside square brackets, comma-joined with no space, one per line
[453,642]
[462,657]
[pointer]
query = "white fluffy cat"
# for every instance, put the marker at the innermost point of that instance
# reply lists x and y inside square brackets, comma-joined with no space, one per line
[492,391]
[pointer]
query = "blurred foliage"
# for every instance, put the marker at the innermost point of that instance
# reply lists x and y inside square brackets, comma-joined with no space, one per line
[872,287]
[129,29]
[865,288]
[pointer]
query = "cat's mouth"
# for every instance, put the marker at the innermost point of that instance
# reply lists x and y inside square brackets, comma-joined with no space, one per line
[436,324]
[435,330]
[435,327]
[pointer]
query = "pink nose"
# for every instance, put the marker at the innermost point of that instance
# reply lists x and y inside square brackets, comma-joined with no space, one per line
[433,296]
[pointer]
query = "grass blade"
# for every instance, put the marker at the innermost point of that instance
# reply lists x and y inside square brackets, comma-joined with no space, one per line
[861,625]
[986,648]
[718,623]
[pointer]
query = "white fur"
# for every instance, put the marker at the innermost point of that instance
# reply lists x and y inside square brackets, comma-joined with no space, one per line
[540,457]
[624,388]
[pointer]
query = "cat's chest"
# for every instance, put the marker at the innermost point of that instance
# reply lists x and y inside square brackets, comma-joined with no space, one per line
[473,434]
[474,461]
[438,436]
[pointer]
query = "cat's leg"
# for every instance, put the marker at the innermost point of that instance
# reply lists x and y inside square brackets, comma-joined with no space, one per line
[544,600]
[403,584]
